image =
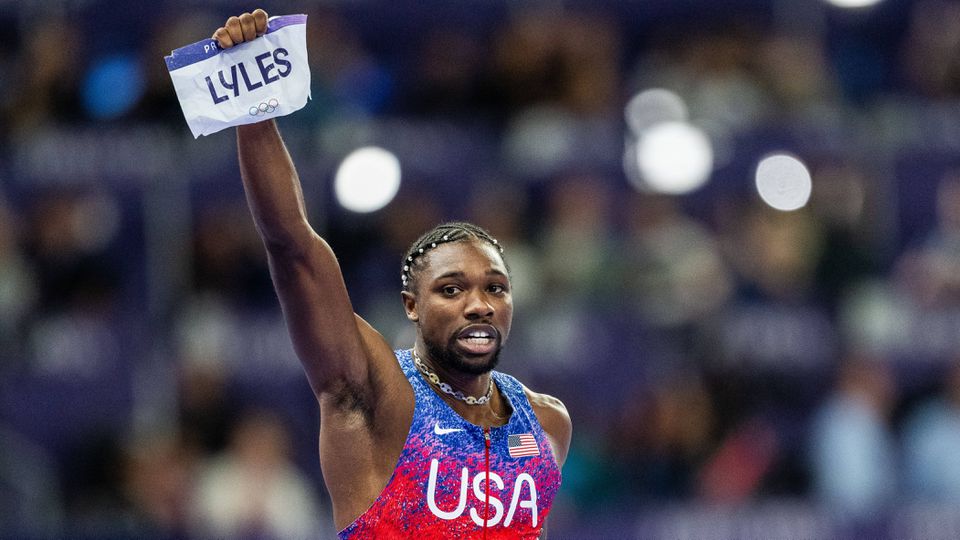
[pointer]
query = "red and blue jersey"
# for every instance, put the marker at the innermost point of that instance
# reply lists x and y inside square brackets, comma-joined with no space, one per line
[450,483]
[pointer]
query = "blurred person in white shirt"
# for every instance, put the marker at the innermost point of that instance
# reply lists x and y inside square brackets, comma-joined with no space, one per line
[254,489]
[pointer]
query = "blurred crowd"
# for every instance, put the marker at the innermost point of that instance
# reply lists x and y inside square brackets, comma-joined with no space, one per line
[730,369]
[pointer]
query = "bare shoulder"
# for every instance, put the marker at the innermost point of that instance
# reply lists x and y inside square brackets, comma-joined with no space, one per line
[553,416]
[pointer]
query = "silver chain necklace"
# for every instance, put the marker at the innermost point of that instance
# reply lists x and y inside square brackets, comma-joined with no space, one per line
[446,388]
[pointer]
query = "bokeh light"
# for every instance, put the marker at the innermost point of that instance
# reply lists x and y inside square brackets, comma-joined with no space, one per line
[783,182]
[674,158]
[367,180]
[113,86]
[853,3]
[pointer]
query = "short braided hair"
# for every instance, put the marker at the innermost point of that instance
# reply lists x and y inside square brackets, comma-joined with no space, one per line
[454,231]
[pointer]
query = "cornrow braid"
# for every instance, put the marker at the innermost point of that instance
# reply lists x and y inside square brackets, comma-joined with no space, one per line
[454,231]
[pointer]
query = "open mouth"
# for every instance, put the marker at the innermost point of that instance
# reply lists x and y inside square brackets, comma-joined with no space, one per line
[478,339]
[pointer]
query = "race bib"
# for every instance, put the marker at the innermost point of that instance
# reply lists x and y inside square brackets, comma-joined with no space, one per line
[256,80]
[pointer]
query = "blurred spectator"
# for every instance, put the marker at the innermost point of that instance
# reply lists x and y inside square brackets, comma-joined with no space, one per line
[658,442]
[775,321]
[931,272]
[843,209]
[734,474]
[18,288]
[47,77]
[205,404]
[446,80]
[575,244]
[774,253]
[70,236]
[555,80]
[931,445]
[570,60]
[30,493]
[670,264]
[346,79]
[158,475]
[95,501]
[72,244]
[934,32]
[797,71]
[228,256]
[853,456]
[577,239]
[714,68]
[254,490]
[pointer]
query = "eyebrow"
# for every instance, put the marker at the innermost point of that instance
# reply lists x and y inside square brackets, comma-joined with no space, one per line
[460,274]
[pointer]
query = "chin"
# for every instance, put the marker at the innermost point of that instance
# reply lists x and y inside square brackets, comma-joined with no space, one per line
[451,358]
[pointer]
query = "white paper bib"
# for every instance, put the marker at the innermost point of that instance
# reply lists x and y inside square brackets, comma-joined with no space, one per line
[264,78]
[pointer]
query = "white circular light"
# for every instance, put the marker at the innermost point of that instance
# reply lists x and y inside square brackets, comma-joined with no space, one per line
[367,180]
[783,182]
[674,158]
[853,3]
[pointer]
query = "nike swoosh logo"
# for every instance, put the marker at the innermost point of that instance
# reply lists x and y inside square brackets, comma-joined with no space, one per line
[443,431]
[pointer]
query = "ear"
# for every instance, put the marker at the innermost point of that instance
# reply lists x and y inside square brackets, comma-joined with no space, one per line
[410,305]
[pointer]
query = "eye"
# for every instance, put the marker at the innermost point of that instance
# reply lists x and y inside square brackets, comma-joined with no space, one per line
[450,290]
[497,288]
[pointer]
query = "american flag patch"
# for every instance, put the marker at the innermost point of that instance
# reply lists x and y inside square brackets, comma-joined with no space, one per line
[522,445]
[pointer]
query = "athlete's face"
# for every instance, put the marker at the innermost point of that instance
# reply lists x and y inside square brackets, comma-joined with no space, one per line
[462,305]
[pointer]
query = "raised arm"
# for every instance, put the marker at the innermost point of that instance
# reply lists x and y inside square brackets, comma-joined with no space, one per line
[305,271]
[333,344]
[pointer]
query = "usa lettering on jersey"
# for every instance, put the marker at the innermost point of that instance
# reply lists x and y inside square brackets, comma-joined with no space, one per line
[264,78]
[522,495]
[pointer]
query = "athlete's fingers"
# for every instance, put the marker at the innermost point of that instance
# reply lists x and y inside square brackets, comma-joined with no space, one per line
[233,27]
[239,29]
[248,27]
[223,38]
[260,21]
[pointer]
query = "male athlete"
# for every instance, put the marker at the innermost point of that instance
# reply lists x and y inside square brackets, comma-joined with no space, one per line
[429,441]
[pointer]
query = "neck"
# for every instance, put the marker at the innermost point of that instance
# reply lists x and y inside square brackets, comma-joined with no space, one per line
[470,384]
[469,387]
[488,409]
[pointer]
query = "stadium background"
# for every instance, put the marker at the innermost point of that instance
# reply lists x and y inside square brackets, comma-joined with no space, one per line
[733,371]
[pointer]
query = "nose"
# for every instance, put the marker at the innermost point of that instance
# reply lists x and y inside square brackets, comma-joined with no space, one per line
[478,306]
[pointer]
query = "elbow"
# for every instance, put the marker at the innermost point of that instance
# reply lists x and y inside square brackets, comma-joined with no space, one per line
[285,241]
[282,246]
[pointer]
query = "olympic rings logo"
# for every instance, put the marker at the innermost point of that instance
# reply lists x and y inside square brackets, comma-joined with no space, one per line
[265,107]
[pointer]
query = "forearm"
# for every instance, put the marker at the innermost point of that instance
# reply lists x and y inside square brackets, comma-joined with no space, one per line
[272,186]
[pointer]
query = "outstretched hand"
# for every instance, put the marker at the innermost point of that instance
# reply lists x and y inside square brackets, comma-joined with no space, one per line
[240,29]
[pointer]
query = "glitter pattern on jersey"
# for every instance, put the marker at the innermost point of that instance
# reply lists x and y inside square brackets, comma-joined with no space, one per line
[439,487]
